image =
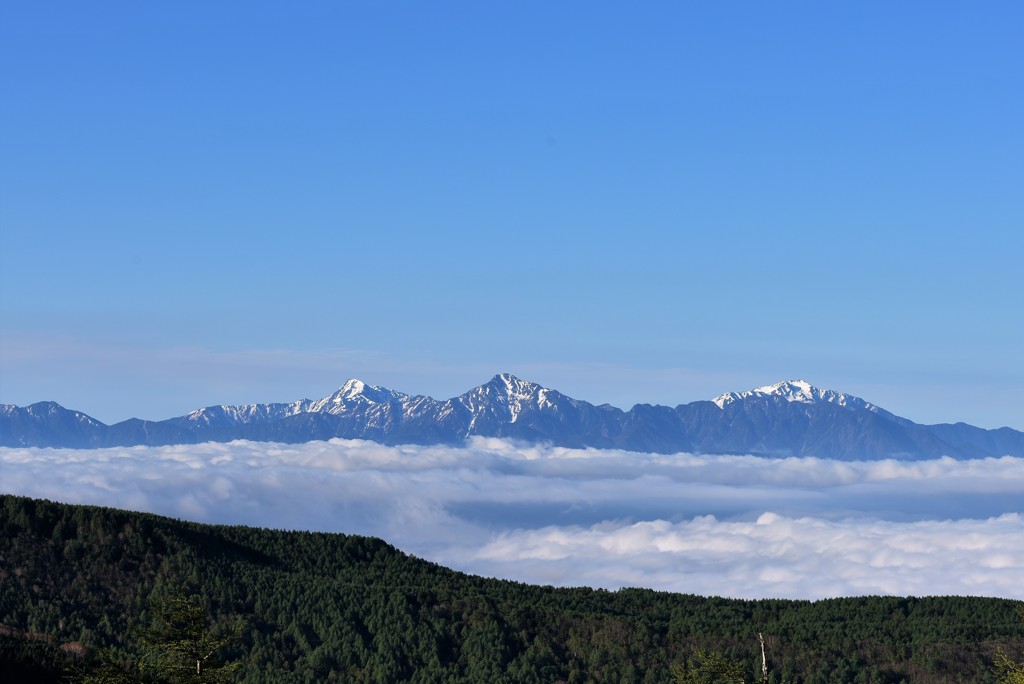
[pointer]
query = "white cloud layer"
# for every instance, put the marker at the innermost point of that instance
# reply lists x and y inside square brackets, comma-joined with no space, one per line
[726,525]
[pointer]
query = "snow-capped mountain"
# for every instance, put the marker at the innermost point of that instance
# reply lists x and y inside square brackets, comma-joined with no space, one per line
[791,418]
[48,424]
[802,392]
[506,406]
[795,390]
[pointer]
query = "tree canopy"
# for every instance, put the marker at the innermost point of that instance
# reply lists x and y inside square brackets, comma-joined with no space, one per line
[331,607]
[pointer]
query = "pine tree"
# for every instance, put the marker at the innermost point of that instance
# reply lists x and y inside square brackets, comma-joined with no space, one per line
[181,650]
[708,667]
[1010,672]
[183,647]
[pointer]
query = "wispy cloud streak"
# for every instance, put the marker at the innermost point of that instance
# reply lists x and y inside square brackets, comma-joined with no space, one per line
[727,525]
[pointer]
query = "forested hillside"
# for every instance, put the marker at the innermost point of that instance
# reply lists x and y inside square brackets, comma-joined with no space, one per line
[329,607]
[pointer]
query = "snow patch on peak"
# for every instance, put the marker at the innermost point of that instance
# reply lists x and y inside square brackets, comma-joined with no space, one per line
[517,392]
[543,401]
[512,384]
[799,391]
[793,390]
[350,390]
[786,386]
[357,392]
[509,392]
[723,399]
[198,414]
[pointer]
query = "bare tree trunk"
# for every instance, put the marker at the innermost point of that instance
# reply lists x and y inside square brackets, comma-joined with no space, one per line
[764,660]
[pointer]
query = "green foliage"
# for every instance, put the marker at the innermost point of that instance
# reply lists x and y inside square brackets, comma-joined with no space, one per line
[180,649]
[341,608]
[183,649]
[707,667]
[107,669]
[1010,672]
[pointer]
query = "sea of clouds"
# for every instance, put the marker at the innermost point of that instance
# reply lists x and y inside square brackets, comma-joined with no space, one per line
[738,526]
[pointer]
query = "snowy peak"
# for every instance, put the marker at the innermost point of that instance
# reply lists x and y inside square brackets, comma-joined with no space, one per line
[509,395]
[218,416]
[504,387]
[791,418]
[352,388]
[513,387]
[798,391]
[51,409]
[353,392]
[792,390]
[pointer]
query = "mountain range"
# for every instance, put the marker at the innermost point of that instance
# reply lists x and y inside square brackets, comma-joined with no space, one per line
[791,418]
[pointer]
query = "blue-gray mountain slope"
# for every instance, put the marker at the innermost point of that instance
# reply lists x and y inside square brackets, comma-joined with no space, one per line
[786,419]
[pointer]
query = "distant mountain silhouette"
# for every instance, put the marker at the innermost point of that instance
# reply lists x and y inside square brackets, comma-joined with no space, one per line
[790,418]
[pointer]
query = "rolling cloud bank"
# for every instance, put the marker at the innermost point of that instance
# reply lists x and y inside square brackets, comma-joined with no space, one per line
[737,526]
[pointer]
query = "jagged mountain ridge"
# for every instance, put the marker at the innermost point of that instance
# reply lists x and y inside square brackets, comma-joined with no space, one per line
[791,418]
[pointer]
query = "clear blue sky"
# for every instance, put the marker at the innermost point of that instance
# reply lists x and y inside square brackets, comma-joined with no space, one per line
[234,202]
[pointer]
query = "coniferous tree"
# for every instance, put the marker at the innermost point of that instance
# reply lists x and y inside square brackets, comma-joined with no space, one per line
[708,667]
[1010,672]
[181,649]
[184,648]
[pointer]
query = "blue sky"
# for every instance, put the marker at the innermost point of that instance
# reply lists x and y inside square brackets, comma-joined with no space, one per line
[210,203]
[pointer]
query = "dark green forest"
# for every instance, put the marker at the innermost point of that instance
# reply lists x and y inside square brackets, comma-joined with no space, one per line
[79,582]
